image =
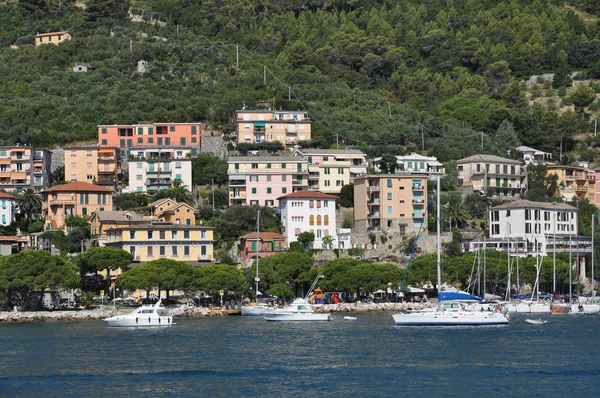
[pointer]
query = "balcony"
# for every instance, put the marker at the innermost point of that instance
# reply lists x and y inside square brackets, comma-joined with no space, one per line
[373,188]
[205,257]
[418,201]
[418,215]
[299,182]
[237,182]
[158,173]
[373,202]
[416,187]
[291,130]
[113,171]
[106,158]
[374,215]
[61,201]
[38,171]
[239,195]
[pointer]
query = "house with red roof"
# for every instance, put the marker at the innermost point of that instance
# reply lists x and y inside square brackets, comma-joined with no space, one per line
[308,211]
[12,245]
[51,38]
[77,198]
[8,208]
[263,244]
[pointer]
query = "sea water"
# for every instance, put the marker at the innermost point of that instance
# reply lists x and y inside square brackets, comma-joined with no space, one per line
[250,357]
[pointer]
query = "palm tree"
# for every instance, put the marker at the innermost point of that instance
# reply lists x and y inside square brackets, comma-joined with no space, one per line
[181,193]
[30,203]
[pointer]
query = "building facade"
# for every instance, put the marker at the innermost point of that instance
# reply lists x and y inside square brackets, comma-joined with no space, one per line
[24,167]
[390,202]
[330,169]
[152,169]
[8,208]
[100,166]
[51,38]
[267,244]
[414,163]
[75,198]
[533,156]
[150,135]
[169,210]
[102,221]
[573,182]
[255,180]
[152,241]
[257,126]
[493,175]
[308,211]
[527,227]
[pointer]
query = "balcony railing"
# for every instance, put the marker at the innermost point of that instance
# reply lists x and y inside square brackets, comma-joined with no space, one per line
[416,187]
[372,188]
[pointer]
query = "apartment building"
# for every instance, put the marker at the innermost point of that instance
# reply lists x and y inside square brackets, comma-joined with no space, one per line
[263,244]
[494,175]
[390,202]
[308,211]
[155,240]
[169,210]
[286,127]
[150,135]
[102,221]
[574,182]
[261,180]
[154,168]
[93,164]
[75,198]
[24,167]
[8,208]
[526,227]
[330,169]
[414,163]
[51,38]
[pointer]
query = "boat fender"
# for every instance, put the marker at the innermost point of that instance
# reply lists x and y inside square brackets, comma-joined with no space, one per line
[149,320]
[136,320]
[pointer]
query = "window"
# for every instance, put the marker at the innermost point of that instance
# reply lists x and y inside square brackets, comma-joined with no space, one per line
[188,221]
[327,183]
[173,235]
[150,234]
[283,165]
[283,178]
[139,177]
[150,131]
[389,182]
[193,130]
[161,235]
[88,165]
[269,178]
[159,141]
[150,140]
[339,183]
[103,130]
[389,210]
[326,220]
[177,165]
[150,251]
[101,198]
[283,190]
[140,140]
[268,190]
[325,158]
[327,170]
[140,131]
[178,176]
[132,235]
[254,191]
[162,251]
[311,220]
[174,251]
[186,251]
[389,196]
[182,141]
[171,128]
[194,140]
[253,178]
[318,220]
[340,170]
[84,211]
[255,165]
[186,234]
[311,204]
[84,198]
[104,142]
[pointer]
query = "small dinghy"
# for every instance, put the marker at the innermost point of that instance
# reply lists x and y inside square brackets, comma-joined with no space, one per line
[536,321]
[349,318]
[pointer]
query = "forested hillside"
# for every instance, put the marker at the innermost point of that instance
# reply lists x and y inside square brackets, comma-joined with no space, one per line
[384,75]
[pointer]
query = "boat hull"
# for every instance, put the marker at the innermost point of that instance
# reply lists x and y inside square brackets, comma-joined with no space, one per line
[296,317]
[436,318]
[124,321]
[256,310]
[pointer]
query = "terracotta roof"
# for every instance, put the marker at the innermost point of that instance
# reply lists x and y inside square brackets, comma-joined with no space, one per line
[51,34]
[78,186]
[308,195]
[4,195]
[263,236]
[12,239]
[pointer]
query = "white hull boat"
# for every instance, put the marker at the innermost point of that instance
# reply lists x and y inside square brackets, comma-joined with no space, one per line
[298,310]
[144,316]
[451,314]
[255,310]
[585,309]
[536,322]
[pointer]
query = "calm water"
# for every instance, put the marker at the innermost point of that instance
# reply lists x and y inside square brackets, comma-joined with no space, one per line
[235,356]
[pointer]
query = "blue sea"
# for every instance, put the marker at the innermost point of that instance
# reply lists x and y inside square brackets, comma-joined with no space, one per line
[250,357]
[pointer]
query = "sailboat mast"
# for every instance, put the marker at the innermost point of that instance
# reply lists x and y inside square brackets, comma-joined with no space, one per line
[257,279]
[593,291]
[554,259]
[439,240]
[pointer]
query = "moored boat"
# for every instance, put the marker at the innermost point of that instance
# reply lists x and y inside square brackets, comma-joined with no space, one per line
[144,316]
[536,321]
[298,310]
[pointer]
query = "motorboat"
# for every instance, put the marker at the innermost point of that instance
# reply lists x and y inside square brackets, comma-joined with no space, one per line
[350,318]
[146,315]
[536,321]
[297,310]
[255,309]
[450,314]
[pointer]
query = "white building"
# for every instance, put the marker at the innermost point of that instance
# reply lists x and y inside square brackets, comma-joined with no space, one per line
[154,168]
[414,163]
[533,156]
[8,208]
[526,227]
[308,211]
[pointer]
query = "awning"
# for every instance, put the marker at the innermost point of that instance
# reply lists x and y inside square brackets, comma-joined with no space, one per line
[259,124]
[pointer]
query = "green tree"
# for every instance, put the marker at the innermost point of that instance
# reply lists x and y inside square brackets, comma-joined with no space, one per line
[99,259]
[208,169]
[327,241]
[214,278]
[181,193]
[346,198]
[582,97]
[131,200]
[30,203]
[306,238]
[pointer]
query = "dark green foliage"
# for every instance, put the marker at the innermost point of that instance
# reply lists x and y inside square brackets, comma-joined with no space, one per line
[238,220]
[346,198]
[208,169]
[132,200]
[296,247]
[36,226]
[306,238]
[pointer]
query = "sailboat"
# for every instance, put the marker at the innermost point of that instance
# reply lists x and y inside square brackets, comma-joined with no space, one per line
[447,313]
[583,308]
[257,308]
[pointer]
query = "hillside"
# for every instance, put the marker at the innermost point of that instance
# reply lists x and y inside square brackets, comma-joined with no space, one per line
[383,75]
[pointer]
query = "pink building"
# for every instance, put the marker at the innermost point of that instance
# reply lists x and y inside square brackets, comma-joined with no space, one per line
[156,134]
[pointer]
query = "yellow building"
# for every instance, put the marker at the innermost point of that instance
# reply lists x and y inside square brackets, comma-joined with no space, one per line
[169,210]
[390,202]
[100,166]
[574,182]
[330,169]
[102,221]
[256,126]
[75,198]
[51,38]
[148,242]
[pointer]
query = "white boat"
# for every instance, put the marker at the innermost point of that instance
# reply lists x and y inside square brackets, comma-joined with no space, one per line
[535,321]
[584,309]
[448,313]
[350,318]
[146,315]
[298,310]
[257,307]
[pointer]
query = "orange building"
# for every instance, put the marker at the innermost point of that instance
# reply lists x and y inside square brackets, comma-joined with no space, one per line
[51,38]
[267,244]
[100,166]
[76,198]
[156,134]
